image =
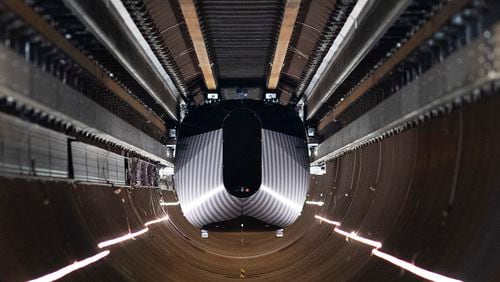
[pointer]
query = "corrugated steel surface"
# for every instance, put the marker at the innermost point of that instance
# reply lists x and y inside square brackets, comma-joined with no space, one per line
[285,179]
[36,89]
[29,149]
[97,165]
[199,182]
[201,191]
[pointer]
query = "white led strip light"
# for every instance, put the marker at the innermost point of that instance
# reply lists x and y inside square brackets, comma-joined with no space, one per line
[429,275]
[156,221]
[317,203]
[327,220]
[413,268]
[70,268]
[355,237]
[170,203]
[80,264]
[121,238]
[131,235]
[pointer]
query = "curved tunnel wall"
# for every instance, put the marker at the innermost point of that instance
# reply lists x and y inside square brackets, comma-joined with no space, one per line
[429,194]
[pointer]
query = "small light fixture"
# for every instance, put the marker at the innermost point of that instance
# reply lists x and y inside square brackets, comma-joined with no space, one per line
[429,275]
[212,96]
[204,234]
[311,131]
[279,233]
[172,133]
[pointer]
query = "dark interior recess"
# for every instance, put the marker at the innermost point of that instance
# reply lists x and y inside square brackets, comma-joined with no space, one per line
[241,224]
[272,116]
[242,153]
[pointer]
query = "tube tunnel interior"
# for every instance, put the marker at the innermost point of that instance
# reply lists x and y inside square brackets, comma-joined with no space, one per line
[405,191]
[266,140]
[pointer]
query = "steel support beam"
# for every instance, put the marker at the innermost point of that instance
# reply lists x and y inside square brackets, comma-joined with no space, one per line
[287,24]
[44,28]
[368,22]
[425,32]
[111,23]
[33,88]
[476,67]
[193,25]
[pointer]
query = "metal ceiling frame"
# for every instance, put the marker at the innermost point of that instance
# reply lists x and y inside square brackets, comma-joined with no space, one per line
[436,92]
[351,46]
[53,36]
[36,89]
[111,23]
[423,33]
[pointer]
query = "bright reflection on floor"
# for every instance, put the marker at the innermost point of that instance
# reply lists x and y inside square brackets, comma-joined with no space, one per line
[70,268]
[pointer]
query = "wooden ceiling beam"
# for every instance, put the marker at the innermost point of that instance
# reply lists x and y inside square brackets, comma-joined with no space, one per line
[288,23]
[193,25]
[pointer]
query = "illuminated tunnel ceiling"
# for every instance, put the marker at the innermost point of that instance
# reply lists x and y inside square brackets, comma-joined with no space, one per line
[396,102]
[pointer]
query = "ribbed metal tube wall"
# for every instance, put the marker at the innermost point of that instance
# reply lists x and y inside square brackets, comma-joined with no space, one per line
[429,195]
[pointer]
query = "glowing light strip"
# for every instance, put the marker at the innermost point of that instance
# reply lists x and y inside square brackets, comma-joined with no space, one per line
[413,268]
[317,203]
[156,221]
[327,220]
[70,268]
[285,201]
[429,275]
[122,238]
[170,204]
[202,199]
[354,236]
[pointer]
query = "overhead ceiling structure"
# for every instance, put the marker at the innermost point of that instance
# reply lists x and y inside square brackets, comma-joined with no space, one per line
[241,37]
[220,140]
[194,28]
[286,29]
